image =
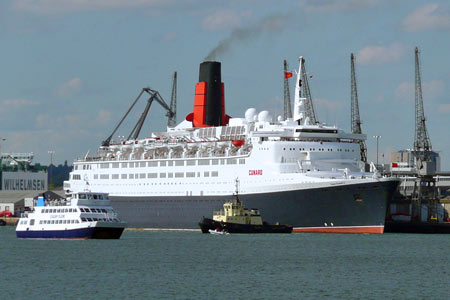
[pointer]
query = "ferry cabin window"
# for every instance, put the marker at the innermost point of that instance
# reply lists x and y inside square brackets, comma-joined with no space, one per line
[142,175]
[170,175]
[179,174]
[124,165]
[231,161]
[214,173]
[170,163]
[82,196]
[215,162]
[162,175]
[115,176]
[83,220]
[190,162]
[131,176]
[241,161]
[179,163]
[206,174]
[142,164]
[104,165]
[131,165]
[123,176]
[152,175]
[162,163]
[152,163]
[190,174]
[104,176]
[115,165]
[95,176]
[81,209]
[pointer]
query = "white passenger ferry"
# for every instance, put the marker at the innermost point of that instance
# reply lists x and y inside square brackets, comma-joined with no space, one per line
[84,215]
[297,171]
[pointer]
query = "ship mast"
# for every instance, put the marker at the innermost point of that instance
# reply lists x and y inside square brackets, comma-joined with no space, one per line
[287,94]
[304,108]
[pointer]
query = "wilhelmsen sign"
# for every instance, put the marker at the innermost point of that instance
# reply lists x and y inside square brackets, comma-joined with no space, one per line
[23,181]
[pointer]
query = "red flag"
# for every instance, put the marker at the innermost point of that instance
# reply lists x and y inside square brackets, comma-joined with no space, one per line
[287,75]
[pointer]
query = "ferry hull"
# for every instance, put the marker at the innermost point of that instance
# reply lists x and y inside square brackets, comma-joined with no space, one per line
[353,208]
[81,233]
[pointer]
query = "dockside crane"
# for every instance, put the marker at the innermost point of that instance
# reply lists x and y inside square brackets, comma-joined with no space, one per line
[356,121]
[306,93]
[425,190]
[153,96]
[172,122]
[287,94]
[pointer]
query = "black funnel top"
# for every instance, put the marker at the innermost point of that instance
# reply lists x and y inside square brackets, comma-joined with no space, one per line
[210,72]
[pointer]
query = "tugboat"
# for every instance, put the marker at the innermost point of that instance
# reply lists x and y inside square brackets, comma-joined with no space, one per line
[84,215]
[235,218]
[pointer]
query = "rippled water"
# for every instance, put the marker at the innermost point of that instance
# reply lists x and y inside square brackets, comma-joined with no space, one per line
[191,265]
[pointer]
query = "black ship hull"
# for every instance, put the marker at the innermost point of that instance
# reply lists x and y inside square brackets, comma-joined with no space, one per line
[209,224]
[352,208]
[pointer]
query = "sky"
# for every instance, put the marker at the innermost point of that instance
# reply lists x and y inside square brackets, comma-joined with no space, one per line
[69,69]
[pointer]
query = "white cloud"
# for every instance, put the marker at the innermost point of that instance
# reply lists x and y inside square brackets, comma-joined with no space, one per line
[336,5]
[426,18]
[380,54]
[430,90]
[69,88]
[224,19]
[17,103]
[66,6]
[104,116]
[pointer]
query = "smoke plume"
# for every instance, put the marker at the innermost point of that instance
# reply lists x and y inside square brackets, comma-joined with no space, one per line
[270,24]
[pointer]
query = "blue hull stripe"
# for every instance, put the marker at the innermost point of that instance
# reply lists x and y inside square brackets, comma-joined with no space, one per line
[81,233]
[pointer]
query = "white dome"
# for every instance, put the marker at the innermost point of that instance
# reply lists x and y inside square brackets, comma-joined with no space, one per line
[250,114]
[264,116]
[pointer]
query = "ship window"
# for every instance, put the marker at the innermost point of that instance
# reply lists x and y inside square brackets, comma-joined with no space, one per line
[66,210]
[70,210]
[162,175]
[103,210]
[131,165]
[162,163]
[231,161]
[203,162]
[123,176]
[170,163]
[206,174]
[83,220]
[142,164]
[95,176]
[190,162]
[152,163]
[190,174]
[214,173]
[179,163]
[76,221]
[170,175]
[179,174]
[115,165]
[60,221]
[81,209]
[222,161]
[53,221]
[152,175]
[104,176]
[89,219]
[241,161]
[40,222]
[215,161]
[82,196]
[131,176]
[124,165]
[104,166]
[142,175]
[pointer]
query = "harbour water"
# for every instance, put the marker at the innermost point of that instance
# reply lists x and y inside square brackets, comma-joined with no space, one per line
[191,265]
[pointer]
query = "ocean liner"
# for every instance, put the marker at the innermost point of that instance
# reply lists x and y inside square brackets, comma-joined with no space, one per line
[297,171]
